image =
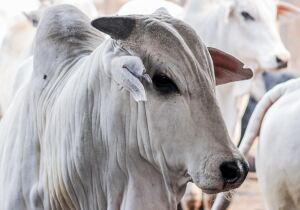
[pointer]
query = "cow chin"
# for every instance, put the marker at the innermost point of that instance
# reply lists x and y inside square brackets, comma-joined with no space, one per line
[211,190]
[208,185]
[217,188]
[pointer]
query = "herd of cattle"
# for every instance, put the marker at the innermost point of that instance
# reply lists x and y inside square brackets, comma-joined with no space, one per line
[137,110]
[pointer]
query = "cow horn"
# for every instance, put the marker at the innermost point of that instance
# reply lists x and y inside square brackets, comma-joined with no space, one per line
[118,27]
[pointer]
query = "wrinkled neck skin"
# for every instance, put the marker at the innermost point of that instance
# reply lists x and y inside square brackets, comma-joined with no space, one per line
[100,155]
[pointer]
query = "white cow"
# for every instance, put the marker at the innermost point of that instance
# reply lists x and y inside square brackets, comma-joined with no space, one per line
[276,121]
[17,45]
[246,29]
[15,48]
[87,130]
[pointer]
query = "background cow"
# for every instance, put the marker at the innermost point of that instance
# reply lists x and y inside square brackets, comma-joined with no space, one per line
[246,29]
[275,121]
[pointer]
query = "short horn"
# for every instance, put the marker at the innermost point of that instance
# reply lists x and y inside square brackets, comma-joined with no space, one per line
[117,27]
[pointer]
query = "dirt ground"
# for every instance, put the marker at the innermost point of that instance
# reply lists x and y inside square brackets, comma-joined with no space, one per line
[248,196]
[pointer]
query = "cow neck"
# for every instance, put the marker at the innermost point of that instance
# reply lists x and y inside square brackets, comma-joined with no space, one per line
[133,180]
[133,183]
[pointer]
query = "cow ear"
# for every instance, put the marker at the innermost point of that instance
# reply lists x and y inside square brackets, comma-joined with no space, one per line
[284,8]
[228,68]
[118,27]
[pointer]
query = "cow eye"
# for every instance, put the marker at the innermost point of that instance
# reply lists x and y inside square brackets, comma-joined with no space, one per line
[164,84]
[247,16]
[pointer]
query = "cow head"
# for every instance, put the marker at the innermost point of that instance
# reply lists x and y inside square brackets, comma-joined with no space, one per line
[179,128]
[251,32]
[247,29]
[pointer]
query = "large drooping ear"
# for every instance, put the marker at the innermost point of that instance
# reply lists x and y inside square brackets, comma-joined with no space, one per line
[129,71]
[228,68]
[118,27]
[286,9]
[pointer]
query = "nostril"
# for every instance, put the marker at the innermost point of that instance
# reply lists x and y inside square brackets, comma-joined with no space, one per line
[281,63]
[230,171]
[279,60]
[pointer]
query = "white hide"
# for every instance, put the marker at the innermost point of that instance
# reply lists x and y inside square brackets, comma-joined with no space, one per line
[275,121]
[12,53]
[221,24]
[15,50]
[74,138]
[279,175]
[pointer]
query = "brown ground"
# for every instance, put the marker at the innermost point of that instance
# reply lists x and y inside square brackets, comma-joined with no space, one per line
[248,196]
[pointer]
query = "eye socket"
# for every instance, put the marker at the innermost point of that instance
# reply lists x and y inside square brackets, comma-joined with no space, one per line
[164,84]
[247,16]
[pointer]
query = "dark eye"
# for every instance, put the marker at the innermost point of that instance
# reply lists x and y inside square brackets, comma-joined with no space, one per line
[247,16]
[164,84]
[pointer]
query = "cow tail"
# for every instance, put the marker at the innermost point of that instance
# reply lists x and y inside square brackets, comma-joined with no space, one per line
[258,115]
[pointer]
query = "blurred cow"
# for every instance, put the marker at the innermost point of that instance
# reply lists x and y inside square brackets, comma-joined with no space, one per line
[245,28]
[276,122]
[15,48]
[290,33]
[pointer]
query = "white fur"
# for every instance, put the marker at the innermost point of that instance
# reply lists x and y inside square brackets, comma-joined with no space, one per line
[221,25]
[73,138]
[18,34]
[275,121]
